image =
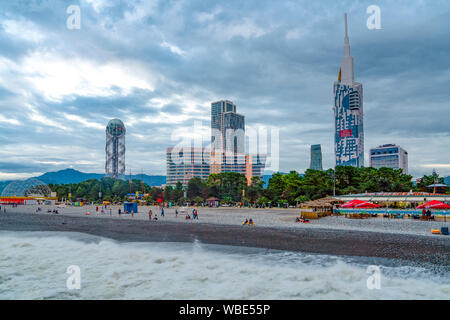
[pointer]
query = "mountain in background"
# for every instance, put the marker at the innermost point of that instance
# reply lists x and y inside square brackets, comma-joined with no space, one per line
[447,180]
[74,176]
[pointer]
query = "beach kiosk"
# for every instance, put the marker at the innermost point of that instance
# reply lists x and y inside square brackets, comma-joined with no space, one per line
[130,207]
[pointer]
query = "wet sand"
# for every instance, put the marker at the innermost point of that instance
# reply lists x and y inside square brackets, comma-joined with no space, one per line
[416,248]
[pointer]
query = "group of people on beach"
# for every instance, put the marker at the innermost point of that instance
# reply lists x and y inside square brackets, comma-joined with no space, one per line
[248,222]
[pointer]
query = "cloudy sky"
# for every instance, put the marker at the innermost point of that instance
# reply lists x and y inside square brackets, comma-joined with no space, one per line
[158,65]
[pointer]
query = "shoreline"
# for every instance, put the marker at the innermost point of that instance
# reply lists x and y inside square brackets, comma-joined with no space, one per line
[414,248]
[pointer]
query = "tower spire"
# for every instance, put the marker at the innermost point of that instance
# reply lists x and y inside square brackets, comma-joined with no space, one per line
[347,61]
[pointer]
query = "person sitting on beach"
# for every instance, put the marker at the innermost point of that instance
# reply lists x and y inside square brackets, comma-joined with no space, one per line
[250,221]
[155,218]
[245,222]
[187,217]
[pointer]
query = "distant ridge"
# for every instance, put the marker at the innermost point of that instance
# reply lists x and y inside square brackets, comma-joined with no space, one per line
[74,176]
[68,175]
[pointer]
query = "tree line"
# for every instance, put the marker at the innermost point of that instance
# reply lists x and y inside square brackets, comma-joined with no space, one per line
[231,187]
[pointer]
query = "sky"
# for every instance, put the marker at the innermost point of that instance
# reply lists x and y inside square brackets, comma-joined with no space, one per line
[158,65]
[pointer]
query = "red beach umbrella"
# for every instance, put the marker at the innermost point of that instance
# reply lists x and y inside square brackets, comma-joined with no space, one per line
[351,204]
[367,205]
[434,204]
[359,204]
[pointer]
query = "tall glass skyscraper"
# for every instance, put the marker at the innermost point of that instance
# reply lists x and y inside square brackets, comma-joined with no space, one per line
[227,127]
[227,137]
[316,157]
[348,113]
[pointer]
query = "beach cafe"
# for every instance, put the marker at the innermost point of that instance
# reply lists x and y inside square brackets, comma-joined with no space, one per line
[27,200]
[395,205]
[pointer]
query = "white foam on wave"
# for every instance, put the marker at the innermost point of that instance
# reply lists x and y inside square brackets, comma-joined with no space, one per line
[33,266]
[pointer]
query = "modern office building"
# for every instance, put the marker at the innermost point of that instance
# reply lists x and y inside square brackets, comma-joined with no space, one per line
[348,113]
[316,157]
[186,163]
[390,156]
[115,148]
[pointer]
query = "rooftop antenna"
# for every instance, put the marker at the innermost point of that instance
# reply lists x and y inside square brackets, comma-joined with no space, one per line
[346,26]
[142,180]
[130,181]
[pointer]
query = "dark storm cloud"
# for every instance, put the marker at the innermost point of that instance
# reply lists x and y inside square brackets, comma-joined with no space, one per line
[157,65]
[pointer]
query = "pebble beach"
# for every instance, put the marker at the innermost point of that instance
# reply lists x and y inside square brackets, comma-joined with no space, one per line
[274,229]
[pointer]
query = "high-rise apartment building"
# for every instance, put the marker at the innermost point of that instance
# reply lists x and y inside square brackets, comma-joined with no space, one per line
[186,163]
[390,156]
[348,113]
[227,138]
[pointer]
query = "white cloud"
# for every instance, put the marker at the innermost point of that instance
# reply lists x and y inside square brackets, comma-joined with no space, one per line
[55,76]
[23,29]
[9,120]
[18,175]
[84,122]
[208,16]
[173,48]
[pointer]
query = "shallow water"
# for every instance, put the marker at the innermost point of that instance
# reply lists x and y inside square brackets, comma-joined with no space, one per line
[33,265]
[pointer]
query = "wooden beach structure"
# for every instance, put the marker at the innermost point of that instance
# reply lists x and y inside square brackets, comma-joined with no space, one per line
[319,208]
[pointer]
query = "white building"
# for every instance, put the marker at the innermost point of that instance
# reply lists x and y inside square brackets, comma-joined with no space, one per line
[390,156]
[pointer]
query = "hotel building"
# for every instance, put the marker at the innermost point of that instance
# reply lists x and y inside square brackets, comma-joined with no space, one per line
[186,163]
[390,156]
[348,113]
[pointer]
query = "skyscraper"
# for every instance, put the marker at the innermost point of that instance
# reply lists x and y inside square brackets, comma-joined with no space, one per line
[316,157]
[228,152]
[115,148]
[227,127]
[227,137]
[390,156]
[348,113]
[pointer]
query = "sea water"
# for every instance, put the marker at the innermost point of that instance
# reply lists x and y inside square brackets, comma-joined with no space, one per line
[34,265]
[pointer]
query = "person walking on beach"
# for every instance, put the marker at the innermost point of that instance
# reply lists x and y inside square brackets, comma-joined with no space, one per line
[162,212]
[110,211]
[150,214]
[176,213]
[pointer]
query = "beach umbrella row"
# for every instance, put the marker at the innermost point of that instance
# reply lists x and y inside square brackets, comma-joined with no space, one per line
[359,204]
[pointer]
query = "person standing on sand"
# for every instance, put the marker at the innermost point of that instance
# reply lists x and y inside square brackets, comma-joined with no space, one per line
[110,211]
[150,214]
[176,213]
[162,212]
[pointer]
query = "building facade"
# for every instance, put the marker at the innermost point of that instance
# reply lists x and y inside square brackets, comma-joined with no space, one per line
[186,163]
[115,148]
[348,113]
[390,156]
[227,137]
[316,157]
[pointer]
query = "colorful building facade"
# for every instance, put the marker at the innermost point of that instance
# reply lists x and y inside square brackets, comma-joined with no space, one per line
[348,113]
